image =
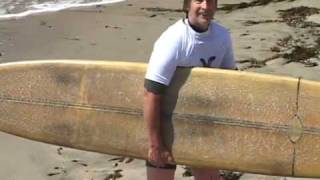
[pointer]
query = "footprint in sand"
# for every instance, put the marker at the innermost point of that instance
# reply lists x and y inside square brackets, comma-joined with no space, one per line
[62,171]
[81,163]
[122,159]
[59,151]
[115,174]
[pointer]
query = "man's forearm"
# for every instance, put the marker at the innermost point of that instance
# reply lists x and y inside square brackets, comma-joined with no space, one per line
[152,105]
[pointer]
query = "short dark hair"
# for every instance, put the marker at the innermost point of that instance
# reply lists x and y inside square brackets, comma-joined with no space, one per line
[186,4]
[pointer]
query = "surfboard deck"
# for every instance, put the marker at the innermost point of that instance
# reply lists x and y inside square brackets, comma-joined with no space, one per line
[212,118]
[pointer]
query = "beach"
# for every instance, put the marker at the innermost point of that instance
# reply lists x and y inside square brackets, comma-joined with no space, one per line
[280,37]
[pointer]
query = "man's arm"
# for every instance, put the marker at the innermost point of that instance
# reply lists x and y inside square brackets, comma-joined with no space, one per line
[161,68]
[158,153]
[152,103]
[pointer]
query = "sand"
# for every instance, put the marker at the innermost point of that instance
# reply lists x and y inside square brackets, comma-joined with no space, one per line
[264,41]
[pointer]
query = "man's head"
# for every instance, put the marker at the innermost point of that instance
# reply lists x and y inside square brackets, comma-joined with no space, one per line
[200,12]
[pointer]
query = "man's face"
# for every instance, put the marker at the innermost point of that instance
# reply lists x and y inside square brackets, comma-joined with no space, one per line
[200,12]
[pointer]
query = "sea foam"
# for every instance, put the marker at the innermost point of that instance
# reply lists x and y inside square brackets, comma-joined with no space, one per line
[13,9]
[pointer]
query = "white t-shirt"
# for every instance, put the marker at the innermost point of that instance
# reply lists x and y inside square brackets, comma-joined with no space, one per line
[181,46]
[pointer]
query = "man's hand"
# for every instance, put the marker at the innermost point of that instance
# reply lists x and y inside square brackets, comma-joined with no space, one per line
[160,156]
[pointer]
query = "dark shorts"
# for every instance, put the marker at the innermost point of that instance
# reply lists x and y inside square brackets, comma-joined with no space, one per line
[167,166]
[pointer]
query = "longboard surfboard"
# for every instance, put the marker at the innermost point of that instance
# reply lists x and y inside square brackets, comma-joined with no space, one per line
[211,117]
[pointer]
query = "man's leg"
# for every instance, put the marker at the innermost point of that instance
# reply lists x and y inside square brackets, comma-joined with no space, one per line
[160,173]
[206,174]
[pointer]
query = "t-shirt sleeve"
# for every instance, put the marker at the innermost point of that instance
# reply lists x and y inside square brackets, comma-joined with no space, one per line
[164,58]
[228,61]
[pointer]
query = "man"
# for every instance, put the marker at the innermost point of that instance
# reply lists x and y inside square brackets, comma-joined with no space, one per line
[196,41]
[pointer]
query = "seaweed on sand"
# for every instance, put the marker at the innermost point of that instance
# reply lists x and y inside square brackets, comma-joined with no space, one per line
[302,55]
[297,15]
[242,5]
[158,9]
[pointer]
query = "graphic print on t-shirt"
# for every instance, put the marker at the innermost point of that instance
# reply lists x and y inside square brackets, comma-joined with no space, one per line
[209,62]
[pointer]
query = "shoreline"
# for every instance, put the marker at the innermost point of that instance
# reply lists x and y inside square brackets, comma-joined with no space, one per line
[25,14]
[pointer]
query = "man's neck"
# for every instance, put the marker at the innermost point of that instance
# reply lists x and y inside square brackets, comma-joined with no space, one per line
[197,29]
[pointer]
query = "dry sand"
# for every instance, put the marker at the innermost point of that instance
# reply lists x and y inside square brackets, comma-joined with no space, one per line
[263,41]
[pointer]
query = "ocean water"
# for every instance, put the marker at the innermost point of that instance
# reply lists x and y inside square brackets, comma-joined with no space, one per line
[11,9]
